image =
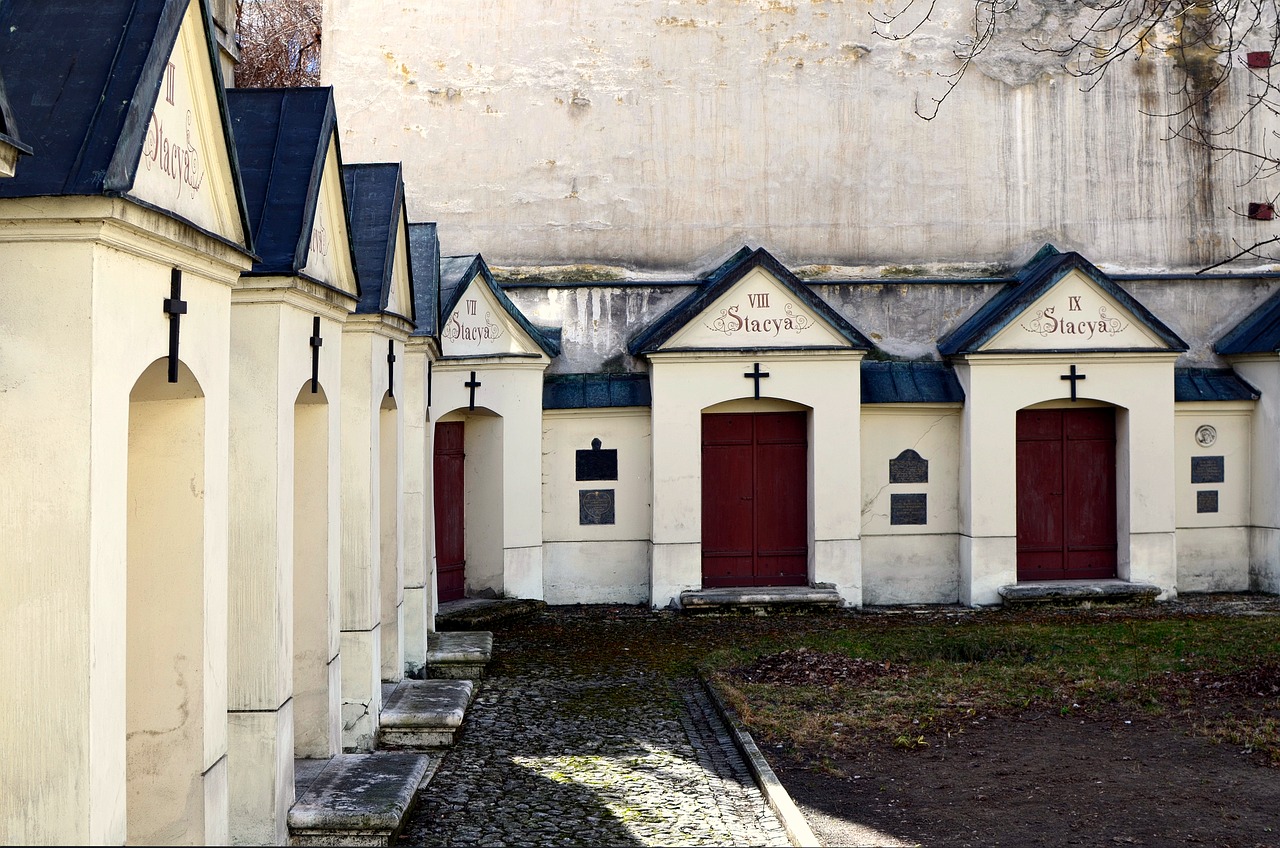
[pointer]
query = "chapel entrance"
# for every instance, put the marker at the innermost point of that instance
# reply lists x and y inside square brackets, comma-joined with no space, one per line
[755,499]
[317,687]
[165,611]
[449,497]
[1066,478]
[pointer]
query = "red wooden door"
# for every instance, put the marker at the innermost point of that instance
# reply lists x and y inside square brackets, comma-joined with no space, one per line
[449,496]
[755,499]
[1066,477]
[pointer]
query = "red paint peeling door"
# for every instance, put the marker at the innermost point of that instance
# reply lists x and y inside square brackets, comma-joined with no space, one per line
[449,496]
[1066,477]
[755,499]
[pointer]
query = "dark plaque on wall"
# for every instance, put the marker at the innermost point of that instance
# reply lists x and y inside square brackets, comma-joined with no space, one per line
[597,464]
[909,467]
[1207,500]
[595,506]
[1207,469]
[908,509]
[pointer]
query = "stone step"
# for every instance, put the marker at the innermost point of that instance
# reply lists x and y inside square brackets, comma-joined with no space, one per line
[424,715]
[359,799]
[761,600]
[1078,592]
[479,613]
[458,655]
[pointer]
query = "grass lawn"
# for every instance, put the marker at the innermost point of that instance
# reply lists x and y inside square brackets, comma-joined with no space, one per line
[912,683]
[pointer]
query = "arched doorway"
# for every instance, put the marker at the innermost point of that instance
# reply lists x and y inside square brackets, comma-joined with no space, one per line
[755,495]
[1066,479]
[391,569]
[467,481]
[316,673]
[165,610]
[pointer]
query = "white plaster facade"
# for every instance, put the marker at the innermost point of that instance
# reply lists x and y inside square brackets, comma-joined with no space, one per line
[597,563]
[664,133]
[71,424]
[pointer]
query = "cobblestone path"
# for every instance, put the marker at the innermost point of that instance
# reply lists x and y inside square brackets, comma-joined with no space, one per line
[557,759]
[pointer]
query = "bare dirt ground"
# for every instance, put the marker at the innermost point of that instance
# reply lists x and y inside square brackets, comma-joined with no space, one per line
[1108,775]
[1047,782]
[1114,776]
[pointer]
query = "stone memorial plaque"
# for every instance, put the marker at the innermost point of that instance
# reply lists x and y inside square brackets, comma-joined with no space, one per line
[908,509]
[909,467]
[1207,469]
[595,506]
[597,464]
[1207,500]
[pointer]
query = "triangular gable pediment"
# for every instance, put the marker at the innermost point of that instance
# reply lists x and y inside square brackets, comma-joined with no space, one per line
[479,325]
[758,311]
[752,302]
[400,297]
[328,247]
[1061,302]
[1075,314]
[186,163]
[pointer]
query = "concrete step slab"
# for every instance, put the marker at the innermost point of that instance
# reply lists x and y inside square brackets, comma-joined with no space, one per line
[761,600]
[423,715]
[1078,592]
[479,613]
[458,655]
[358,799]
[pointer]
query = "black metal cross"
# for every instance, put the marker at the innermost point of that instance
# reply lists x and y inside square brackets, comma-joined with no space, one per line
[391,367]
[1073,377]
[175,307]
[316,341]
[756,374]
[472,384]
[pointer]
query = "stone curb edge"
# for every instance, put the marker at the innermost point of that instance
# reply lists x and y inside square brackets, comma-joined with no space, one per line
[793,821]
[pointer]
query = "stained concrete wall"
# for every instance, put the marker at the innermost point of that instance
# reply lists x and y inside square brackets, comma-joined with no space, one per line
[1213,546]
[661,133]
[596,563]
[904,317]
[910,563]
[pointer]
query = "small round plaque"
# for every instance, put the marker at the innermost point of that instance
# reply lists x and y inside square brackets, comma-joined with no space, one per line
[1206,435]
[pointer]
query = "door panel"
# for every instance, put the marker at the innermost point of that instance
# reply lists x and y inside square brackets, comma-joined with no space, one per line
[728,492]
[449,498]
[1066,498]
[755,499]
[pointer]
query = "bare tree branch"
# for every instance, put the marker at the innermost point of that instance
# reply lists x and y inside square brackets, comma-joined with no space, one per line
[1209,41]
[279,43]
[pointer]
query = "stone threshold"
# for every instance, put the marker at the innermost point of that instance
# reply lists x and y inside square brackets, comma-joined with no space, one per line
[359,799]
[1078,592]
[458,655]
[424,715]
[480,613]
[761,600]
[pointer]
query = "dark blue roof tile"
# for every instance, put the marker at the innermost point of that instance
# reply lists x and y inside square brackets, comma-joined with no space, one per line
[595,391]
[1044,270]
[424,256]
[456,272]
[721,280]
[910,382]
[81,80]
[1210,384]
[8,126]
[375,198]
[282,139]
[1257,333]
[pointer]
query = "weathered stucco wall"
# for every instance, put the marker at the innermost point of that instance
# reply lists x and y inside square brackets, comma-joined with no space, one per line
[904,317]
[661,133]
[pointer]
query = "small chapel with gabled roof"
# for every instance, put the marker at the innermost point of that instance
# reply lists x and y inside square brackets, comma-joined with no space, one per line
[273,396]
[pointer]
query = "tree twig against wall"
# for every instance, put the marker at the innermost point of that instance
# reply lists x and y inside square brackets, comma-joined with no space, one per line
[279,43]
[1211,43]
